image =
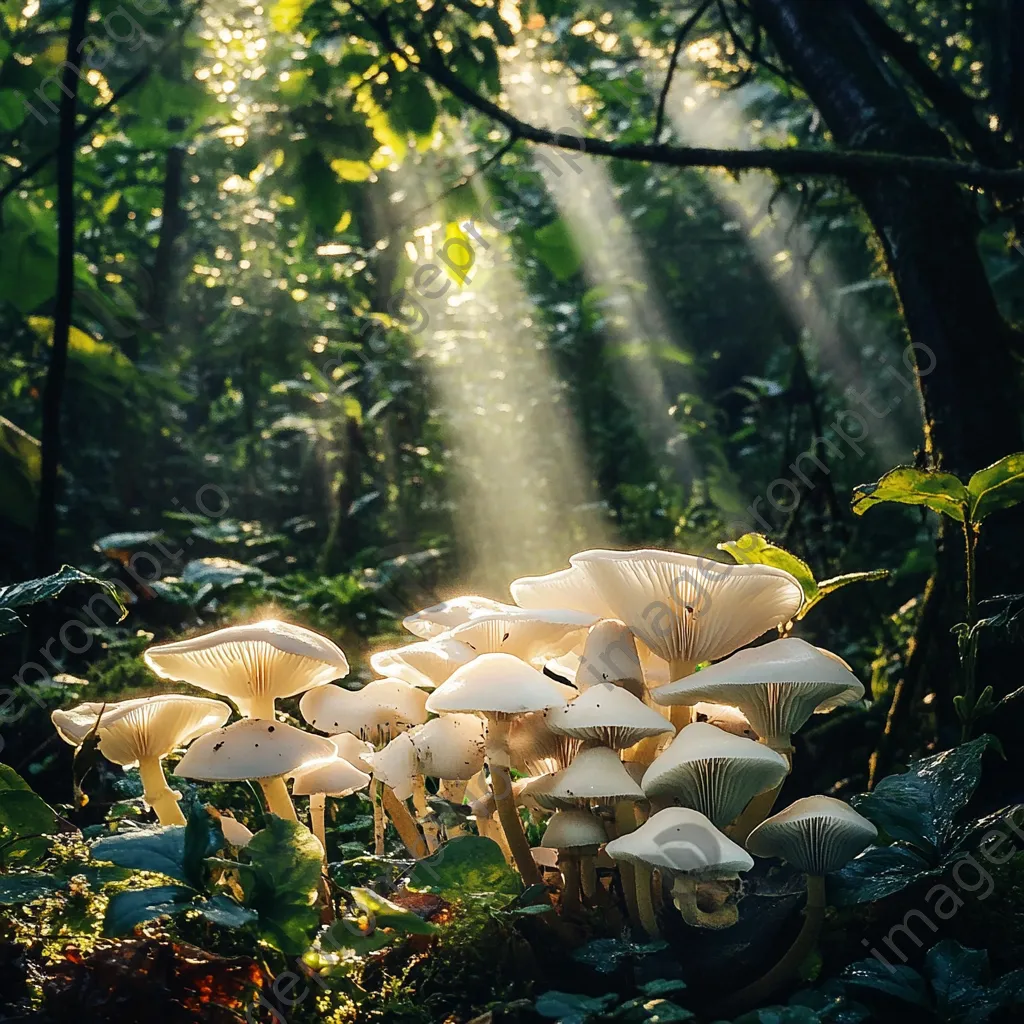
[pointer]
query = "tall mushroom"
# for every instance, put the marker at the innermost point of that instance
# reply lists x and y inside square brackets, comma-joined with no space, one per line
[256,749]
[500,687]
[252,665]
[142,732]
[321,779]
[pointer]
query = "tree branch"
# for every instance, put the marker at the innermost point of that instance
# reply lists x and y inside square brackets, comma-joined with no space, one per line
[684,30]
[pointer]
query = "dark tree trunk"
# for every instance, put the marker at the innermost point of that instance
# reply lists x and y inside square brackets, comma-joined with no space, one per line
[927,229]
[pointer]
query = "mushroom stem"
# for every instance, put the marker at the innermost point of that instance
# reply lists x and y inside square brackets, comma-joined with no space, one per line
[511,824]
[275,792]
[680,715]
[262,707]
[645,903]
[588,876]
[317,808]
[454,791]
[758,809]
[378,818]
[158,794]
[423,812]
[404,824]
[569,865]
[760,991]
[693,905]
[625,822]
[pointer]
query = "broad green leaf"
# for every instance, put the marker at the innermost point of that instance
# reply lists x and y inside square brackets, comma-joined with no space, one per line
[223,910]
[18,889]
[463,865]
[878,872]
[160,849]
[756,549]
[127,910]
[941,492]
[569,1008]
[113,542]
[413,107]
[26,822]
[203,838]
[382,913]
[557,250]
[896,980]
[999,486]
[10,779]
[20,595]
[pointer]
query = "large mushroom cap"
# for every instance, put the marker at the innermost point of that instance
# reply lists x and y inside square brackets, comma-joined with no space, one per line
[261,660]
[336,777]
[253,748]
[573,830]
[381,709]
[713,772]
[777,686]
[143,727]
[688,608]
[596,775]
[681,841]
[426,664]
[567,588]
[496,684]
[609,715]
[439,618]
[527,634]
[395,765]
[610,656]
[817,834]
[450,747]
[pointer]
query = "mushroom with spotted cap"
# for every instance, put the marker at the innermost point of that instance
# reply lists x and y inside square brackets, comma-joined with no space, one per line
[574,834]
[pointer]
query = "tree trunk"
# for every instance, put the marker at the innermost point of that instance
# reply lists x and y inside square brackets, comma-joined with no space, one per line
[962,345]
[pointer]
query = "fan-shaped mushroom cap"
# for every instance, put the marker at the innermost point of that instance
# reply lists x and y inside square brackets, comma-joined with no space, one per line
[496,684]
[724,717]
[681,841]
[777,686]
[535,749]
[817,834]
[573,830]
[253,748]
[395,765]
[527,634]
[450,747]
[596,775]
[567,588]
[353,749]
[426,664]
[609,715]
[688,608]
[143,727]
[336,777]
[253,663]
[439,618]
[378,711]
[610,656]
[714,772]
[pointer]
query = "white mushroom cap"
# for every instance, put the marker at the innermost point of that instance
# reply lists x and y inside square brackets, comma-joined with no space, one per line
[378,711]
[535,749]
[681,841]
[439,618]
[574,830]
[336,777]
[610,656]
[689,608]
[253,748]
[567,588]
[596,775]
[496,684]
[527,634]
[395,765]
[714,772]
[143,727]
[609,715]
[565,666]
[261,660]
[426,664]
[353,749]
[537,791]
[724,717]
[450,747]
[817,834]
[777,686]
[237,834]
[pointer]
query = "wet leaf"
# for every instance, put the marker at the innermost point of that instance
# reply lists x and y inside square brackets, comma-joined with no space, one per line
[18,889]
[159,848]
[127,910]
[605,955]
[568,1008]
[878,872]
[894,980]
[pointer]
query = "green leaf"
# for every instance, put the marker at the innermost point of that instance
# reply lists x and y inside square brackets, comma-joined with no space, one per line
[18,889]
[999,486]
[941,492]
[224,911]
[605,955]
[20,464]
[896,980]
[756,549]
[568,1008]
[26,823]
[413,107]
[463,865]
[12,109]
[834,583]
[382,913]
[19,595]
[159,848]
[556,249]
[203,838]
[127,910]
[10,779]
[877,873]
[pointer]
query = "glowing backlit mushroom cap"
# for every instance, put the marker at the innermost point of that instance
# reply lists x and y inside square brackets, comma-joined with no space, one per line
[450,747]
[609,715]
[144,727]
[681,841]
[596,775]
[253,748]
[574,830]
[537,791]
[258,662]
[426,664]
[724,717]
[687,608]
[714,772]
[535,749]
[353,749]
[336,777]
[610,656]
[567,588]
[496,684]
[395,765]
[378,711]
[439,618]
[777,686]
[526,634]
[817,834]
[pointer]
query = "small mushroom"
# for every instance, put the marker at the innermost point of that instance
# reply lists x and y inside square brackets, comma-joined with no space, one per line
[353,749]
[377,712]
[608,715]
[575,834]
[439,618]
[714,772]
[500,687]
[596,776]
[450,747]
[394,773]
[532,635]
[610,656]
[256,748]
[143,731]
[252,665]
[321,779]
[426,664]
[235,833]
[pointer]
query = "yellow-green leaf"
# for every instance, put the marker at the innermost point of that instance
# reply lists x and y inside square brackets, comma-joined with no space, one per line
[907,485]
[998,486]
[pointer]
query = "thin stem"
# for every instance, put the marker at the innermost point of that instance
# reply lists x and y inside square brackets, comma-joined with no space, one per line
[970,647]
[625,822]
[275,792]
[423,812]
[677,45]
[645,903]
[158,794]
[681,715]
[588,876]
[569,865]
[404,824]
[511,824]
[317,809]
[378,817]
